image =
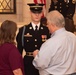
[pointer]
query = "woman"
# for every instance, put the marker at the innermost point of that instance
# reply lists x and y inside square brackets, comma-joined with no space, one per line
[10,60]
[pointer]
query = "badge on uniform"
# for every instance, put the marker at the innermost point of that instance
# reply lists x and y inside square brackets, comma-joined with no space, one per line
[28,35]
[44,37]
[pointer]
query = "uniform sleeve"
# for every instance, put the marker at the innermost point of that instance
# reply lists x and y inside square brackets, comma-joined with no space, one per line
[19,40]
[15,59]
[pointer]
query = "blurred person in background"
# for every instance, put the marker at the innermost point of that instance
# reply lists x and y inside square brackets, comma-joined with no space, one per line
[67,9]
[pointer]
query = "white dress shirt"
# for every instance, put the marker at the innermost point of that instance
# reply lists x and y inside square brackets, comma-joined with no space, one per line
[33,25]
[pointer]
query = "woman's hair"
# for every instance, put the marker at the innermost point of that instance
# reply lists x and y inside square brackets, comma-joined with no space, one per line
[8,32]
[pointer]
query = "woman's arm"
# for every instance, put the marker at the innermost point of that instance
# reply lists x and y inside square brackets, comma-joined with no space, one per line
[17,72]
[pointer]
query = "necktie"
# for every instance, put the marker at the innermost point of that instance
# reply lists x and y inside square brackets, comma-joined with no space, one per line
[36,28]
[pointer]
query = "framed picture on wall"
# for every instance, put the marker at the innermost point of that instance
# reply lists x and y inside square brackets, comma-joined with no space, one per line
[7,6]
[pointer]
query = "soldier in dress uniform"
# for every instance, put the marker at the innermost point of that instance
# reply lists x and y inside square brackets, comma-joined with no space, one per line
[30,39]
[67,9]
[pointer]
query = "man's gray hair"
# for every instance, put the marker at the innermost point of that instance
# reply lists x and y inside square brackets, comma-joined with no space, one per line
[56,18]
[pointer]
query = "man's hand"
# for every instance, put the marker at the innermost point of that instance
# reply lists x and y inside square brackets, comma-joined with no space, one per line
[35,52]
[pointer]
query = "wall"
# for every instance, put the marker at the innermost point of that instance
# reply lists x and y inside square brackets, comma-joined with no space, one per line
[22,16]
[14,17]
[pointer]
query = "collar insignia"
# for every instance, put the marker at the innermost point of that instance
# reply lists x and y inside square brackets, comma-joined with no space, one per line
[41,27]
[30,27]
